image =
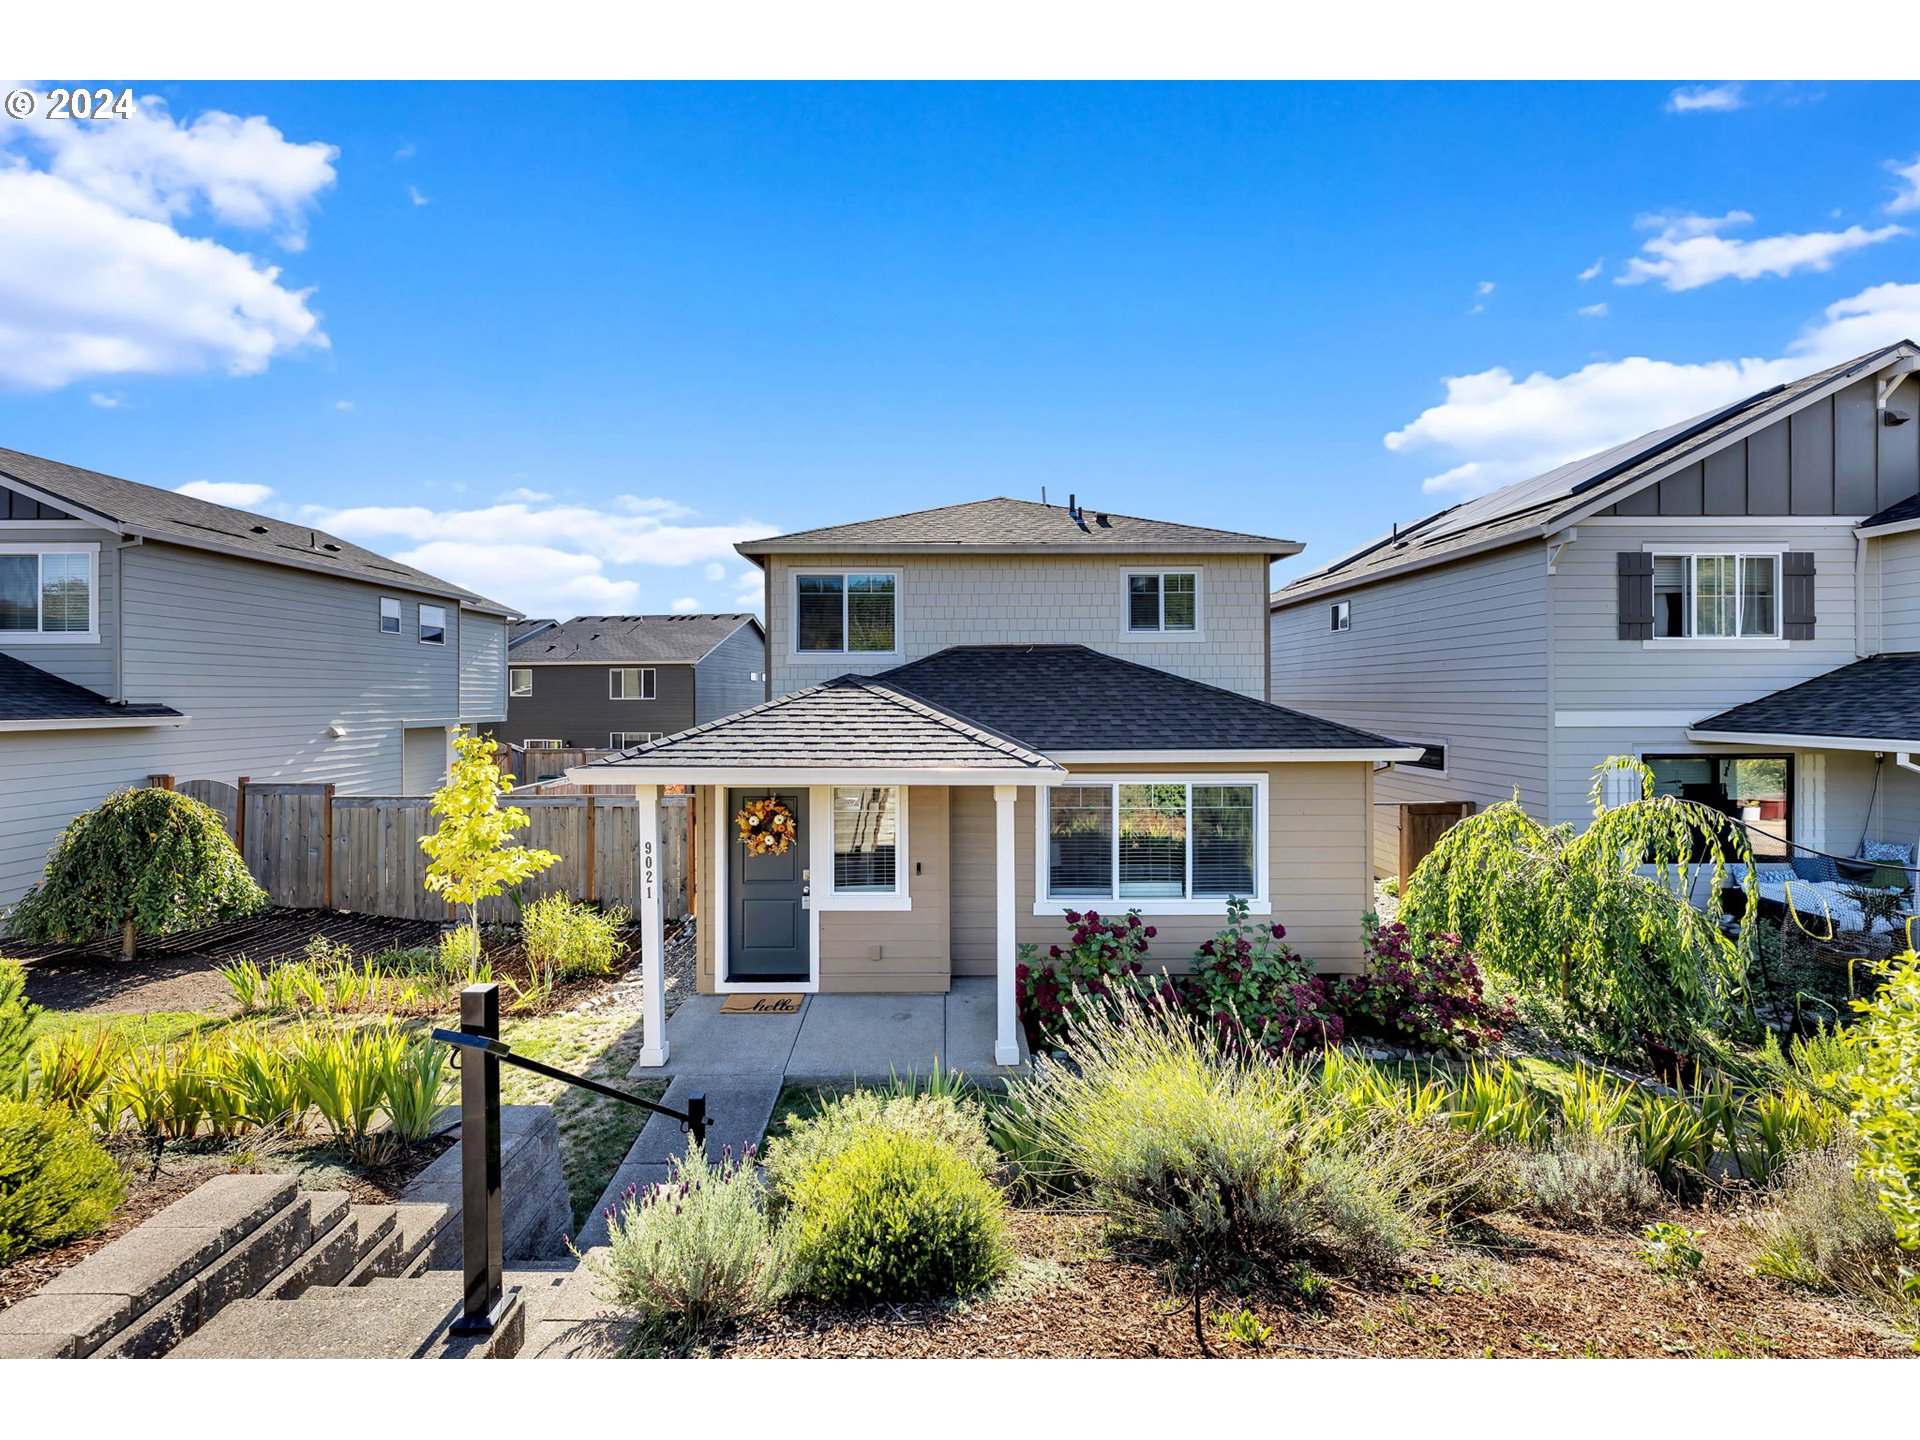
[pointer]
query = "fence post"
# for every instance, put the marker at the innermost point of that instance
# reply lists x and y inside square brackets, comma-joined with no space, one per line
[592,877]
[240,818]
[326,847]
[160,782]
[482,1247]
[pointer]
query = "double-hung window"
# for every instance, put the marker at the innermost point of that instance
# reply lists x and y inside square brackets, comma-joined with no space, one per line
[519,682]
[845,613]
[389,615]
[1716,596]
[868,841]
[46,593]
[627,739]
[1147,841]
[1165,602]
[630,683]
[433,625]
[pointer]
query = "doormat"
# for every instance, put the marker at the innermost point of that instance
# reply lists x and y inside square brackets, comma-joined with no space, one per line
[761,1005]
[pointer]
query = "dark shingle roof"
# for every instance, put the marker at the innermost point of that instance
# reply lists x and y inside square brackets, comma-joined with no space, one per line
[1907,509]
[29,693]
[641,639]
[851,722]
[518,630]
[1003,524]
[183,520]
[1063,698]
[1872,699]
[1531,507]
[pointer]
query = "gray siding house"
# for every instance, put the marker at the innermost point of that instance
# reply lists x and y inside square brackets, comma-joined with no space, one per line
[1705,597]
[607,682]
[147,632]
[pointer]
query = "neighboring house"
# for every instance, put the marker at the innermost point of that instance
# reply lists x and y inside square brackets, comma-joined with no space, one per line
[146,632]
[608,682]
[985,715]
[1734,599]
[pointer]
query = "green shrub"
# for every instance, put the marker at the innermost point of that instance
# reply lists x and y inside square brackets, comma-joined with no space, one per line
[55,1180]
[145,862]
[1501,1104]
[1587,1179]
[896,1216]
[1825,1231]
[73,1066]
[459,950]
[572,940]
[1671,1250]
[842,1122]
[341,1074]
[1887,1094]
[412,1085]
[16,1024]
[696,1254]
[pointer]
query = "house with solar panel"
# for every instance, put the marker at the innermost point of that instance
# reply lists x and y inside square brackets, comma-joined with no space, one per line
[979,717]
[1734,600]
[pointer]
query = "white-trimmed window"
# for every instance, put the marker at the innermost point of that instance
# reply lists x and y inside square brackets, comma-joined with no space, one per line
[846,613]
[1340,613]
[1719,595]
[46,593]
[1158,843]
[1163,602]
[869,841]
[630,683]
[1433,757]
[543,744]
[519,682]
[389,615]
[627,739]
[433,625]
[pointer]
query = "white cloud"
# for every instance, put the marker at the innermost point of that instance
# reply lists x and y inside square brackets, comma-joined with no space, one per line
[413,194]
[343,404]
[530,497]
[685,605]
[1908,197]
[237,493]
[716,572]
[97,277]
[1500,429]
[1484,288]
[547,558]
[115,401]
[1592,312]
[1592,271]
[406,151]
[1691,98]
[1690,251]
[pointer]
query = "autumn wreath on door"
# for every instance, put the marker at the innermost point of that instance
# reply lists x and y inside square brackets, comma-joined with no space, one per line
[766,827]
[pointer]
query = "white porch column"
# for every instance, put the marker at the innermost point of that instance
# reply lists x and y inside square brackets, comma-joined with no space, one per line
[1006,1045]
[653,932]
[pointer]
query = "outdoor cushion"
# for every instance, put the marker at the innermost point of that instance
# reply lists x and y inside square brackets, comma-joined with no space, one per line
[1817,868]
[1775,874]
[1890,877]
[1886,851]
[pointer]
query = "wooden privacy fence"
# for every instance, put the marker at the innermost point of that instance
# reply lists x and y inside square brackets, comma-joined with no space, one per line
[1421,827]
[309,847]
[529,767]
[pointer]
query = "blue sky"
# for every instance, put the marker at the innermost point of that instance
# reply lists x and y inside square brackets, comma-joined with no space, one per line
[685,314]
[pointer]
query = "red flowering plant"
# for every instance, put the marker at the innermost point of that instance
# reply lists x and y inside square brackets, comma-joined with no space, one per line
[1422,990]
[1250,982]
[1100,959]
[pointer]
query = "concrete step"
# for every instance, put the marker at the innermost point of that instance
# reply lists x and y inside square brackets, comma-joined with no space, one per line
[421,1226]
[379,1260]
[331,1255]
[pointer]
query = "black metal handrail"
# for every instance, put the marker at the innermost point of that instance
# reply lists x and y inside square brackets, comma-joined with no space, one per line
[482,1242]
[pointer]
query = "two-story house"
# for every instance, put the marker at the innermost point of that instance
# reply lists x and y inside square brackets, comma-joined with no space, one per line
[147,632]
[607,682]
[982,716]
[1734,599]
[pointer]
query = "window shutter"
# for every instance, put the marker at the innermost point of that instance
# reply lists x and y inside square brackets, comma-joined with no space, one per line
[1797,616]
[1636,595]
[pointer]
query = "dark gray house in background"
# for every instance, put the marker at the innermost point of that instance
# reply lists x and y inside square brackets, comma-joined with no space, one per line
[607,682]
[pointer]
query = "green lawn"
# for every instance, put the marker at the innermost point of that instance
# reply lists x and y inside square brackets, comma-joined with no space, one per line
[158,1027]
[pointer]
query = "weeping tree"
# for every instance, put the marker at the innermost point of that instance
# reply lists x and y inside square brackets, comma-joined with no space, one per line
[470,855]
[1603,919]
[145,862]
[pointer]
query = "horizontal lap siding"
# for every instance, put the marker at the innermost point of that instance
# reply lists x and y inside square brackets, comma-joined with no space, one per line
[723,681]
[483,674]
[1896,564]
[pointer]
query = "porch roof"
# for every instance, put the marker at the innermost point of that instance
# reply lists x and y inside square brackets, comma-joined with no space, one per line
[1872,704]
[856,727]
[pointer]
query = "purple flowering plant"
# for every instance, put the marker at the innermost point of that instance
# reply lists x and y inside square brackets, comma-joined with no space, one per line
[1250,982]
[1102,957]
[1422,990]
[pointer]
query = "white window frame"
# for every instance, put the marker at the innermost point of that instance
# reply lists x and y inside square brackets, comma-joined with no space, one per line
[89,636]
[644,678]
[513,690]
[1258,903]
[1162,635]
[420,624]
[1410,767]
[532,744]
[899,897]
[1691,553]
[399,622]
[841,656]
[624,739]
[1340,616]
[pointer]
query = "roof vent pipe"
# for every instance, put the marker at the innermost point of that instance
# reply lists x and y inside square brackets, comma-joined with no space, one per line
[1073,505]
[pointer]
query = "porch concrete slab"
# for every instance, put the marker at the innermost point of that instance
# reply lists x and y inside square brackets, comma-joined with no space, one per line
[867,1037]
[702,1041]
[972,1024]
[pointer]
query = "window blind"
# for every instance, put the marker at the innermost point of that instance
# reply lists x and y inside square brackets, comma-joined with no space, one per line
[865,839]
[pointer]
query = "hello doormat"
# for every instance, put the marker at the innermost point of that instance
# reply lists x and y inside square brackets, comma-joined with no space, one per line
[761,1005]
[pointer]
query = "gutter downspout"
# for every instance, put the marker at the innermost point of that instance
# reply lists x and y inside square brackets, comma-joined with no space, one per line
[126,543]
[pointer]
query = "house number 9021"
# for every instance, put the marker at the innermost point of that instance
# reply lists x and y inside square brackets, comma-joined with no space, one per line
[646,870]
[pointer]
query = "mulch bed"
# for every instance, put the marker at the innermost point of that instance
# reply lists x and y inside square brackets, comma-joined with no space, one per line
[1518,1290]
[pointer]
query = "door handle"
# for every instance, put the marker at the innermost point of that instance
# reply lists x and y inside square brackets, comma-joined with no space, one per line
[806,897]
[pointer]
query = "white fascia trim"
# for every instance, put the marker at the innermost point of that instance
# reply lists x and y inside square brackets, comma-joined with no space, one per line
[670,774]
[117,722]
[1609,719]
[1709,522]
[1801,742]
[1898,527]
[517,663]
[1250,757]
[1336,585]
[760,553]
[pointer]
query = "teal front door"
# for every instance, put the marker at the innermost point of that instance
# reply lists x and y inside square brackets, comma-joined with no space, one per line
[767,939]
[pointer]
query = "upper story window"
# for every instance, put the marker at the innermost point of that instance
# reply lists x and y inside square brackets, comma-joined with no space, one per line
[1164,602]
[630,683]
[845,613]
[627,739]
[46,593]
[389,615]
[1341,614]
[519,682]
[1716,596]
[433,625]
